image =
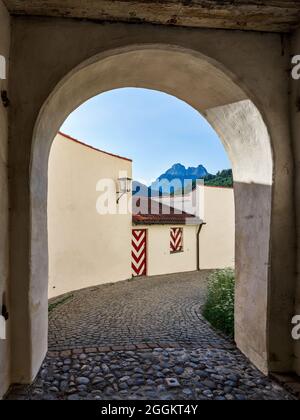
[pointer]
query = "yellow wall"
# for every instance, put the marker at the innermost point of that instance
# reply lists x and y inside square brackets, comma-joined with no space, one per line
[217,237]
[85,248]
[159,258]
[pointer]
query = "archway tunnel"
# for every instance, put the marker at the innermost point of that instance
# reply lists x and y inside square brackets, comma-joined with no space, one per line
[245,127]
[245,137]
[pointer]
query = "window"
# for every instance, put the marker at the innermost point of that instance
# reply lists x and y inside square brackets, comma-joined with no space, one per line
[176,240]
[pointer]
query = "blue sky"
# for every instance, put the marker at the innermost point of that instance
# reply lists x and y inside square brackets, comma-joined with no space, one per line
[154,129]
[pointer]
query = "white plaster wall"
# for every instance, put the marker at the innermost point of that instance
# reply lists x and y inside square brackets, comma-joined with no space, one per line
[160,260]
[241,126]
[215,206]
[85,248]
[217,237]
[4,244]
[186,203]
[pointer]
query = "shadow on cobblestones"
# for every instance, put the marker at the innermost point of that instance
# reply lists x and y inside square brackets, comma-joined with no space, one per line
[143,339]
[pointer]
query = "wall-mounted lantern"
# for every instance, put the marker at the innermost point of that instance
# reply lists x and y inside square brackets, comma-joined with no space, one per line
[125,187]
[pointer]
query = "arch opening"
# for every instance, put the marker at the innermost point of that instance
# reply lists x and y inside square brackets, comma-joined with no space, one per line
[208,88]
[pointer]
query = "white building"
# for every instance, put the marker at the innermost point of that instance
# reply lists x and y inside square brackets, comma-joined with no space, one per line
[87,247]
[164,241]
[215,206]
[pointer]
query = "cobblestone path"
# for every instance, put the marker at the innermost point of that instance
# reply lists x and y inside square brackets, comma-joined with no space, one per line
[164,309]
[143,339]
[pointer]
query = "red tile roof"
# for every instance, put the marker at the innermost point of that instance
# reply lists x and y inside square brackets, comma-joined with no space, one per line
[150,212]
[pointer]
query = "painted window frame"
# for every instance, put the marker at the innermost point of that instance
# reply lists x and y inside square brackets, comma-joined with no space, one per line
[181,249]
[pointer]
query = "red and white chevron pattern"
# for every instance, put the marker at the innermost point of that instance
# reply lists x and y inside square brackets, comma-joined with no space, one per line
[176,242]
[139,252]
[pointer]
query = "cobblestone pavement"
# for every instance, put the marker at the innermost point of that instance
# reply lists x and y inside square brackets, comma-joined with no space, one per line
[163,309]
[164,374]
[143,339]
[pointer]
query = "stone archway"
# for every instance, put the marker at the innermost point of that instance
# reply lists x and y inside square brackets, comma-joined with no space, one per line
[233,111]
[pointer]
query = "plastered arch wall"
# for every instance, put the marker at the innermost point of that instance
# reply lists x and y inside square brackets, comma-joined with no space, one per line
[216,72]
[211,92]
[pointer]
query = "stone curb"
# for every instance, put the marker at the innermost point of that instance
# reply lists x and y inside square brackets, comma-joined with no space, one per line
[108,349]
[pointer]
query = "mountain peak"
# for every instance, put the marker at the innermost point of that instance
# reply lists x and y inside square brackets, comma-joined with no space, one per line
[179,172]
[178,166]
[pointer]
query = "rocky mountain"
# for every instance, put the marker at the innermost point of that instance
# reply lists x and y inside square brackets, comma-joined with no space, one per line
[182,175]
[181,172]
[185,177]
